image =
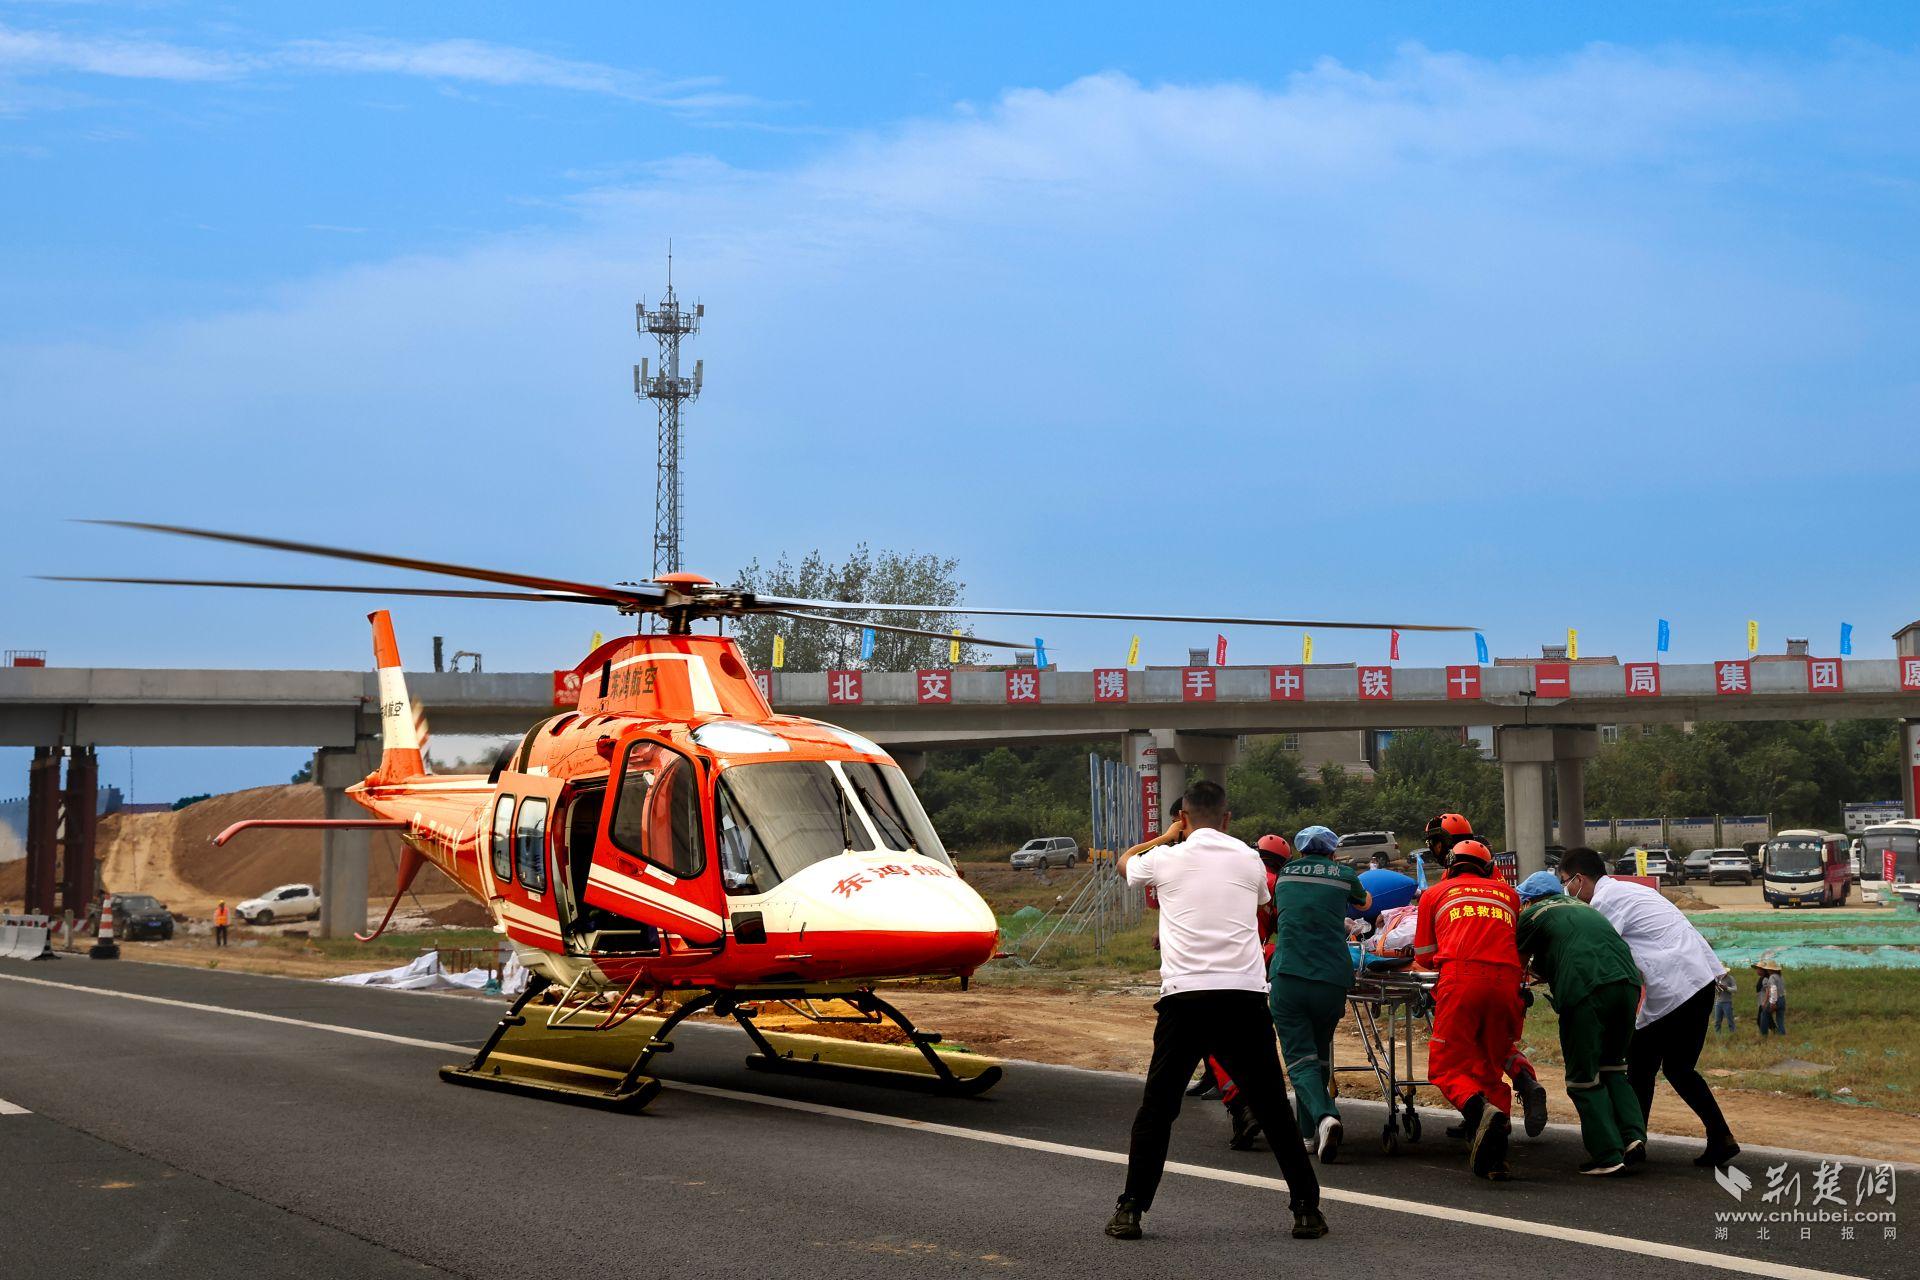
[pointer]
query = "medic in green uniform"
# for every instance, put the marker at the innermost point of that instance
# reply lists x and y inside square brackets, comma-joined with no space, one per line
[1596,989]
[1310,974]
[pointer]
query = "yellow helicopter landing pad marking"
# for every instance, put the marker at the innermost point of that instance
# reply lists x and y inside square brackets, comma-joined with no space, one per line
[1443,1213]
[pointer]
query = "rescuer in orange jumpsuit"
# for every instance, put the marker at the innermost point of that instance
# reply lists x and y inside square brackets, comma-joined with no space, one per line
[220,924]
[1465,929]
[1442,834]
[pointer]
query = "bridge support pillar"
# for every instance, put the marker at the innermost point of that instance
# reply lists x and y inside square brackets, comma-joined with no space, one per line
[1179,752]
[83,820]
[43,829]
[343,854]
[1526,755]
[912,763]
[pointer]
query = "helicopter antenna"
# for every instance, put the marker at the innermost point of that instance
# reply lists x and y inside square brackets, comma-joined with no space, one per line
[668,322]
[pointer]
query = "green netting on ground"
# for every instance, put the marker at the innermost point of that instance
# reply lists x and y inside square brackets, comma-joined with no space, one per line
[1790,958]
[1837,933]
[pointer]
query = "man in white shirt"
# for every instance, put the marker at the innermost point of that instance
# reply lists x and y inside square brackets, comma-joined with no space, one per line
[1680,972]
[1213,1002]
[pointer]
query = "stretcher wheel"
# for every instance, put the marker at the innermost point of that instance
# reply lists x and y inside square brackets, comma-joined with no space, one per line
[1412,1122]
[1390,1139]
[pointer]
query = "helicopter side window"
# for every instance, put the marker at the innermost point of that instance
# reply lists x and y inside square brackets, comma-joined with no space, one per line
[656,814]
[530,845]
[503,839]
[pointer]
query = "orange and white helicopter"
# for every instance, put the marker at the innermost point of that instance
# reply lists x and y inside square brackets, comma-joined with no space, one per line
[674,833]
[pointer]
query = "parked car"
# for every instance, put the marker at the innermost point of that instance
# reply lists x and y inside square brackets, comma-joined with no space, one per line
[1729,864]
[1661,865]
[141,915]
[1358,847]
[288,902]
[1046,851]
[1698,864]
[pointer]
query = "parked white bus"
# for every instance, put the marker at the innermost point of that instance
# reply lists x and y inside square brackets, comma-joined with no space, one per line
[1890,845]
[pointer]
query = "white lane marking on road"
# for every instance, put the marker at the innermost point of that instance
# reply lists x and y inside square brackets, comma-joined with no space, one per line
[1444,1213]
[12,1109]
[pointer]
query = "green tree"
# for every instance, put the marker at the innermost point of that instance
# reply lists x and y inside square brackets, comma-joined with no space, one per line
[885,577]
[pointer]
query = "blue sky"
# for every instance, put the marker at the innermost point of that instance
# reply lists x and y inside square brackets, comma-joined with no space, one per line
[1506,314]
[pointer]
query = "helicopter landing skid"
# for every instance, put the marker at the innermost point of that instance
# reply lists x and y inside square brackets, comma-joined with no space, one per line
[938,1077]
[559,1081]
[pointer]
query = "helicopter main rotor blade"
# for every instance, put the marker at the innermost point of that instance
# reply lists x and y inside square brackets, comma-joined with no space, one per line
[780,602]
[905,631]
[640,595]
[452,593]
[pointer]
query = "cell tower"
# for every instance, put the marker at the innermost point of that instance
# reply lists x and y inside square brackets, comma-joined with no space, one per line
[668,322]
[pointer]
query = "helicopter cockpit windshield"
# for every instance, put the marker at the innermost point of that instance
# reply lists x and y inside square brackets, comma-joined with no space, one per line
[776,819]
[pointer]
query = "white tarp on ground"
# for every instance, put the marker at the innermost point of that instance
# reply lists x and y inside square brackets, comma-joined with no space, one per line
[425,974]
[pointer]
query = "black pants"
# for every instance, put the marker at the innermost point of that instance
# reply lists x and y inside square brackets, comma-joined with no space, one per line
[1670,1046]
[1234,1027]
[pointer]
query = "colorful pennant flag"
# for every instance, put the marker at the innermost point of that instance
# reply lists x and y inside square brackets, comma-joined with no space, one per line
[1480,648]
[1664,641]
[1039,652]
[1393,646]
[866,643]
[1219,651]
[1573,644]
[1753,636]
[597,642]
[953,650]
[1133,652]
[779,651]
[1306,648]
[1846,639]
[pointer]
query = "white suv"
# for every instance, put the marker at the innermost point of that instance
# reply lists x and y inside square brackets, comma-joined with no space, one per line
[288,902]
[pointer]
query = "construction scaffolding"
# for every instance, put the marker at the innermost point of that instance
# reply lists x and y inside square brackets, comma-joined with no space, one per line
[1103,905]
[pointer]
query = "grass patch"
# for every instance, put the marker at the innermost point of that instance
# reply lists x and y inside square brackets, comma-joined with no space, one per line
[384,952]
[1858,1022]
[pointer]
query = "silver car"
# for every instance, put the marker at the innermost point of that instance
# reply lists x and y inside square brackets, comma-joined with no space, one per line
[1046,851]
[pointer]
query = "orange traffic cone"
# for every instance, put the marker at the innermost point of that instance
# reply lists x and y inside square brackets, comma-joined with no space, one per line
[105,948]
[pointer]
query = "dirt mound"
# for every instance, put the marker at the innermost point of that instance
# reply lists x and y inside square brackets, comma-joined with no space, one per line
[172,856]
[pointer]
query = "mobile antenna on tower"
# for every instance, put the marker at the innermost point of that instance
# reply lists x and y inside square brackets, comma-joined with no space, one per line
[668,322]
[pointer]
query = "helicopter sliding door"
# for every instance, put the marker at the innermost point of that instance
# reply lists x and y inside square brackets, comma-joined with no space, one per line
[515,860]
[650,863]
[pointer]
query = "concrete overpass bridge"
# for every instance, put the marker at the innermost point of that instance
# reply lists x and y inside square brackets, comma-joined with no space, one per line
[1544,716]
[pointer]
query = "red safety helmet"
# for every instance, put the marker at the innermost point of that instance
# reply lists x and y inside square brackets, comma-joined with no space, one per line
[1470,850]
[1275,846]
[1448,827]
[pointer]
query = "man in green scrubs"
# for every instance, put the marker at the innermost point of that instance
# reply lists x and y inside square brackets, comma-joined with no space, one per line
[1310,974]
[1595,987]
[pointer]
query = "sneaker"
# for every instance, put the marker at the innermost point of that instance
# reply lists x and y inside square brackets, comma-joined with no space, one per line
[1636,1153]
[1489,1152]
[1308,1224]
[1533,1103]
[1125,1222]
[1603,1168]
[1330,1134]
[1462,1130]
[1717,1155]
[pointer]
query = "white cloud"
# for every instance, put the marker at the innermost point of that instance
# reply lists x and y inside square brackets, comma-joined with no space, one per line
[477,62]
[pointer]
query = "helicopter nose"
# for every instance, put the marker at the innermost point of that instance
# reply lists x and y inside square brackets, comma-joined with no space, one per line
[926,918]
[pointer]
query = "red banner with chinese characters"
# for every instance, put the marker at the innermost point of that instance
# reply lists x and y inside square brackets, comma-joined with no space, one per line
[1197,684]
[1733,677]
[763,680]
[1110,684]
[1643,679]
[934,685]
[1824,676]
[1376,683]
[1023,685]
[1219,651]
[1150,804]
[1552,680]
[843,687]
[1287,684]
[1463,682]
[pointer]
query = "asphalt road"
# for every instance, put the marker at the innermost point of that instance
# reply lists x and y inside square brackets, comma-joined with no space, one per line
[172,1135]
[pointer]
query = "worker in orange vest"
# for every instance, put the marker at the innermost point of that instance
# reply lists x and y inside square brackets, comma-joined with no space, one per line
[220,924]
